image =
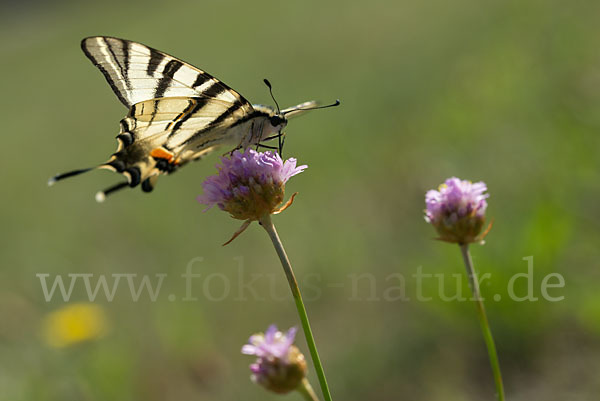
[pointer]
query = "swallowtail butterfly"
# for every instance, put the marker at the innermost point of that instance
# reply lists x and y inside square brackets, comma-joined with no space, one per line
[177,113]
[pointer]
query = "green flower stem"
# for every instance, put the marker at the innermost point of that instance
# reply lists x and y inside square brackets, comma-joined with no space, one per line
[307,391]
[267,224]
[483,321]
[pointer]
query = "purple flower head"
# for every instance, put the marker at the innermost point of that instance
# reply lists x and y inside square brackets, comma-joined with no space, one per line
[271,344]
[457,210]
[280,366]
[249,184]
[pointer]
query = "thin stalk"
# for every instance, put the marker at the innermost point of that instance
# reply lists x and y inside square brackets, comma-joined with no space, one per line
[307,391]
[289,273]
[483,321]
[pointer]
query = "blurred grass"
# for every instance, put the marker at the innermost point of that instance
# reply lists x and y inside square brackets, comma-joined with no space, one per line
[506,92]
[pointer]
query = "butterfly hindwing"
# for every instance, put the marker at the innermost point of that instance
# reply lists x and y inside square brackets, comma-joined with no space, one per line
[182,123]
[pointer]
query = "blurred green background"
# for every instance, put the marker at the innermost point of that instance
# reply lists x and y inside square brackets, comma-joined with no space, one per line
[502,91]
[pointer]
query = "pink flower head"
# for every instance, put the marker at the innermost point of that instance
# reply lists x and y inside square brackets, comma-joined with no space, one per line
[249,184]
[272,344]
[457,210]
[280,366]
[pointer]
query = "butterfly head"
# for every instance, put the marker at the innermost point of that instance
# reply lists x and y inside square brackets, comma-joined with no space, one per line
[278,121]
[273,121]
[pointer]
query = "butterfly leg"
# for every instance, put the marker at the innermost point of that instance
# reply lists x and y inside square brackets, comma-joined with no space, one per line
[281,140]
[260,145]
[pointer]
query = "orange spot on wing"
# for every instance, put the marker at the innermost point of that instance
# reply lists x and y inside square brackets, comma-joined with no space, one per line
[160,153]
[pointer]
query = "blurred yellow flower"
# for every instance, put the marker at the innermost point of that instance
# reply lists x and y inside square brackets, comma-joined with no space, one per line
[73,324]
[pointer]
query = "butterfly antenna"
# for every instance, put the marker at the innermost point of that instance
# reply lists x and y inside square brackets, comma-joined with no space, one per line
[271,92]
[101,196]
[68,174]
[334,104]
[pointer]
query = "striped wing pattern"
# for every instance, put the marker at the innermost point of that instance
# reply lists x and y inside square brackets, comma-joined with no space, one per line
[176,110]
[137,72]
[179,124]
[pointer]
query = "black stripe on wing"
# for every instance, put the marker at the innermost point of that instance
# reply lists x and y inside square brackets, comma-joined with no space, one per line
[137,72]
[155,59]
[168,74]
[187,114]
[109,78]
[209,93]
[225,115]
[215,124]
[200,79]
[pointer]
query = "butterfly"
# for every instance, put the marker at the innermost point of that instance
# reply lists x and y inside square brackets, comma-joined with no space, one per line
[177,113]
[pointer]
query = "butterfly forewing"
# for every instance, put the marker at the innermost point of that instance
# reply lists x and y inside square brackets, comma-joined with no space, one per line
[137,72]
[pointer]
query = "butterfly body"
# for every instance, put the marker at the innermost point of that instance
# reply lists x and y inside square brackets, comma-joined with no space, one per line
[177,112]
